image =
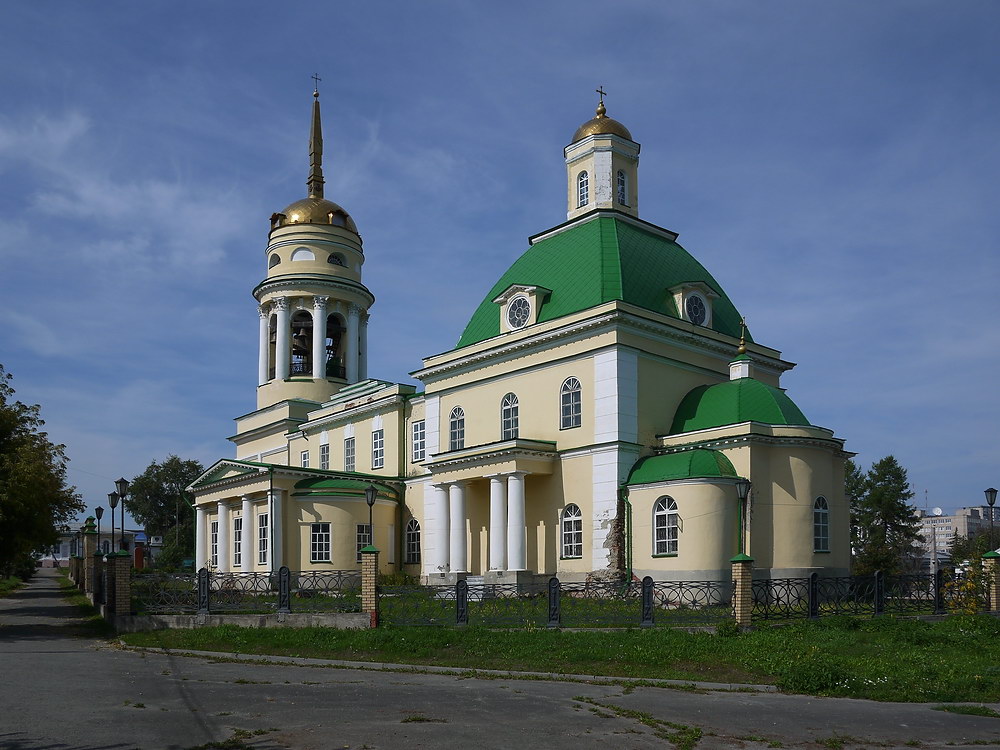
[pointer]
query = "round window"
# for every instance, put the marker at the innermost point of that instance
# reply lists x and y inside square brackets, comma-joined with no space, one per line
[696,309]
[518,312]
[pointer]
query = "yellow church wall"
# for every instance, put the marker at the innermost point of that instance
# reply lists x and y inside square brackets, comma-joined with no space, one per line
[571,483]
[661,387]
[343,515]
[413,507]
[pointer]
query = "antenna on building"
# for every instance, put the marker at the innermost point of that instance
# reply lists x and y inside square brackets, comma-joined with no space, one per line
[935,511]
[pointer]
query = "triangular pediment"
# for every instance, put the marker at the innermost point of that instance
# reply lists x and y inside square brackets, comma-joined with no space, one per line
[222,470]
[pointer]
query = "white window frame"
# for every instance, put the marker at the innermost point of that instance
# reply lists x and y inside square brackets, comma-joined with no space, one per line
[364,538]
[622,185]
[571,529]
[821,525]
[456,429]
[582,189]
[378,449]
[238,542]
[263,537]
[319,542]
[304,459]
[350,454]
[214,557]
[411,543]
[324,456]
[509,417]
[570,404]
[419,435]
[666,527]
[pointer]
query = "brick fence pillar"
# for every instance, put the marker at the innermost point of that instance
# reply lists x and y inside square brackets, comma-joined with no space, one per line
[89,548]
[122,563]
[742,588]
[369,574]
[991,566]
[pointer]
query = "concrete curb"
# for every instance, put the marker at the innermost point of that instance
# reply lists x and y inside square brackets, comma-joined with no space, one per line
[454,671]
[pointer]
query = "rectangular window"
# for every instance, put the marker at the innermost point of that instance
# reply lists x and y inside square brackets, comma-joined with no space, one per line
[319,543]
[378,449]
[419,441]
[349,454]
[324,456]
[364,538]
[215,544]
[304,459]
[263,534]
[237,542]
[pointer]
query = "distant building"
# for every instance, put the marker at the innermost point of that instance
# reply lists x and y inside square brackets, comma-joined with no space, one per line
[940,530]
[70,546]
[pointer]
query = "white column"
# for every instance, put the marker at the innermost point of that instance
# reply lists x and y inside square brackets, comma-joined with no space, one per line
[437,546]
[200,537]
[319,338]
[351,352]
[459,549]
[277,521]
[262,371]
[281,349]
[248,544]
[363,357]
[516,544]
[223,538]
[498,523]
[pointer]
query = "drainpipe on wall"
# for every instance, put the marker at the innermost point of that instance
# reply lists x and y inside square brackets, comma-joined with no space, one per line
[270,517]
[623,495]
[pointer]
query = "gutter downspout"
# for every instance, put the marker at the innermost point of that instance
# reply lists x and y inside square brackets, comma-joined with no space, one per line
[623,494]
[270,516]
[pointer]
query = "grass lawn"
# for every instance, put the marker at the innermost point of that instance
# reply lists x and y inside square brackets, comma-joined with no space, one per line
[956,659]
[9,585]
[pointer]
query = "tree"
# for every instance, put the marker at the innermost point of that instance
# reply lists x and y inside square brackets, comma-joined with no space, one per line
[971,548]
[158,502]
[885,528]
[34,497]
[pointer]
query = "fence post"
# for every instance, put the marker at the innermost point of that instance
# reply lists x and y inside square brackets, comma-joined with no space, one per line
[284,590]
[742,589]
[938,591]
[814,594]
[203,604]
[992,583]
[98,578]
[123,584]
[555,605]
[648,588]
[879,592]
[462,602]
[110,588]
[369,584]
[89,549]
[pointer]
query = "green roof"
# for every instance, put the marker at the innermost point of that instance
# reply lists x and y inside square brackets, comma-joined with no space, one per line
[733,402]
[340,486]
[699,463]
[597,261]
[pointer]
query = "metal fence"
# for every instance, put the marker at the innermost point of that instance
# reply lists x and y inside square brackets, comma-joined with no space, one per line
[580,604]
[283,591]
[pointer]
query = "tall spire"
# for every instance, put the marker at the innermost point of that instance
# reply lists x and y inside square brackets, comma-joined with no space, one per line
[315,181]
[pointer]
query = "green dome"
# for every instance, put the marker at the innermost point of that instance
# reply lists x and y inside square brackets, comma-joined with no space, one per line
[598,261]
[699,463]
[733,402]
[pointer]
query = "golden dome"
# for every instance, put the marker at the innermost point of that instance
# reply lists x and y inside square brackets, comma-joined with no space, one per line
[314,211]
[601,125]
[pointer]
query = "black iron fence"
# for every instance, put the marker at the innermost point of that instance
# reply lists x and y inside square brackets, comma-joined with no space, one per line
[283,591]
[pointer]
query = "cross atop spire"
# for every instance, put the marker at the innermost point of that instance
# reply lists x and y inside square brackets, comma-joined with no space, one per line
[316,80]
[601,109]
[600,90]
[315,181]
[742,349]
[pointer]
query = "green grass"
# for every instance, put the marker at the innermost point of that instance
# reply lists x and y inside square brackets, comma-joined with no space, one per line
[969,710]
[92,625]
[9,585]
[955,659]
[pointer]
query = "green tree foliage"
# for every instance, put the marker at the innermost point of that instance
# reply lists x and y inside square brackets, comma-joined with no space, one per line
[34,497]
[975,545]
[885,530]
[158,502]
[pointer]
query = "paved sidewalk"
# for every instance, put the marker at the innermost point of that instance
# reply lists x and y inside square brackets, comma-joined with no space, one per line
[60,690]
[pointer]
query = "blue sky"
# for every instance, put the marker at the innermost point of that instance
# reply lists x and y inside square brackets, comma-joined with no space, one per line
[835,165]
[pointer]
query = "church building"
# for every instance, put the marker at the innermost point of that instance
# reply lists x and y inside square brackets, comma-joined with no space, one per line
[605,412]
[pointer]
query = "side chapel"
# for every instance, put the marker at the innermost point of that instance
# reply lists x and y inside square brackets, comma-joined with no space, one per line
[598,415]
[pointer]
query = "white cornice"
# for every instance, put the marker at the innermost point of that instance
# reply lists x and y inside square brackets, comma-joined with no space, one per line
[604,213]
[352,414]
[679,482]
[298,281]
[836,445]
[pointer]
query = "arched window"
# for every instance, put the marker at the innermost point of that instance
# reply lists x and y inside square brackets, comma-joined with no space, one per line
[570,404]
[303,253]
[821,525]
[456,429]
[583,189]
[508,417]
[105,546]
[301,327]
[665,526]
[273,261]
[622,188]
[336,259]
[411,542]
[572,531]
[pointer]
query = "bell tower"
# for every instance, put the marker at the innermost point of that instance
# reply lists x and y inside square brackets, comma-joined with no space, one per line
[313,305]
[602,167]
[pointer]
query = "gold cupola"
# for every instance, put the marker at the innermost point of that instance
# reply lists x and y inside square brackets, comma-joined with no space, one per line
[601,125]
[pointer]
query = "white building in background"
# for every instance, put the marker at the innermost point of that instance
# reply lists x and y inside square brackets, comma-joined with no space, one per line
[939,530]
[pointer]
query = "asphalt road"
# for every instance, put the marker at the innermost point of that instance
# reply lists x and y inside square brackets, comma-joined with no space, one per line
[61,690]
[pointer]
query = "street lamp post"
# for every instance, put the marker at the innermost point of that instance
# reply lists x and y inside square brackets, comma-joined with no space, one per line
[371,492]
[991,498]
[99,511]
[121,485]
[113,502]
[743,492]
